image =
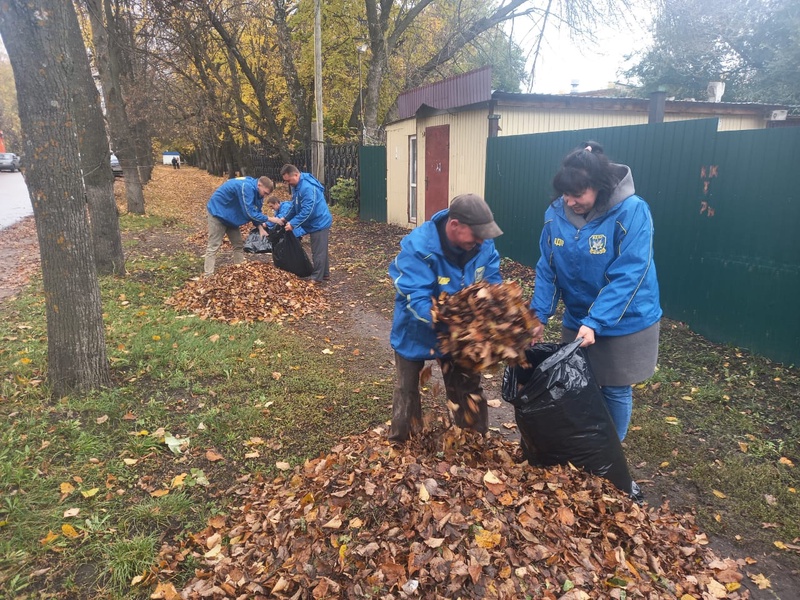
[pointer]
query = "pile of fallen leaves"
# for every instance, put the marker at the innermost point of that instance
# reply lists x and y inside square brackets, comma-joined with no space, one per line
[449,515]
[485,324]
[251,291]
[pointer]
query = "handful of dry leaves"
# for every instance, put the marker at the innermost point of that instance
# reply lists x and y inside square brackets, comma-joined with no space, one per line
[485,324]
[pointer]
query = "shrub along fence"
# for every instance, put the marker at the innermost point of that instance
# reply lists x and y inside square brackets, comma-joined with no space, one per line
[725,206]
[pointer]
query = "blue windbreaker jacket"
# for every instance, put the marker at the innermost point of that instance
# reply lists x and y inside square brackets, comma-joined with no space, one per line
[281,213]
[309,209]
[603,270]
[236,202]
[420,272]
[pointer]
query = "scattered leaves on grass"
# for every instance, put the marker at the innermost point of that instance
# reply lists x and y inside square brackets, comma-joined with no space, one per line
[484,325]
[449,514]
[251,291]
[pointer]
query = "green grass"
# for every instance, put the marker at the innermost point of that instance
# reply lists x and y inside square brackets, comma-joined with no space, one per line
[128,558]
[723,423]
[103,454]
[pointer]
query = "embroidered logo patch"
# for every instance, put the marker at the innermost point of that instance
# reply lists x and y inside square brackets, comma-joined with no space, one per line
[558,242]
[479,272]
[597,244]
[444,280]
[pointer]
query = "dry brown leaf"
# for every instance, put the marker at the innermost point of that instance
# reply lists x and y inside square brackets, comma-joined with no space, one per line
[212,456]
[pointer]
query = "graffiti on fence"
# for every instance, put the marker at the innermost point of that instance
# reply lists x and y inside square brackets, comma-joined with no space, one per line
[707,173]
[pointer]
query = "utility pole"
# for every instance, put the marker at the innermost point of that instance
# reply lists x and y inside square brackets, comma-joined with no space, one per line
[361,49]
[317,133]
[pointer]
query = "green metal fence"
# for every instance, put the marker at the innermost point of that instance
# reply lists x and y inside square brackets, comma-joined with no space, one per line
[372,175]
[725,207]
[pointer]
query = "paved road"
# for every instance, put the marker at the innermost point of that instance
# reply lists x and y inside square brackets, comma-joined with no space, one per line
[15,203]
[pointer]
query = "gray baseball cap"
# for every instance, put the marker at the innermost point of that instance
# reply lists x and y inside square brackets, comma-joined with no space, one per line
[472,210]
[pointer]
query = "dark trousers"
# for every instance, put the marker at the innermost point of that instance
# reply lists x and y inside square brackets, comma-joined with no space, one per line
[319,255]
[463,389]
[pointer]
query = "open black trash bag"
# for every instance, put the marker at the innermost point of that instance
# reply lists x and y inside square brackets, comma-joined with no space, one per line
[255,244]
[288,253]
[562,416]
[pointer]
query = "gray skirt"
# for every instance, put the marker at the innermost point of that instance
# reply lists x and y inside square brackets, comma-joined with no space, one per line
[621,360]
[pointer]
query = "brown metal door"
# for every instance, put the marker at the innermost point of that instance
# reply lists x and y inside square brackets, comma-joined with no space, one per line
[437,169]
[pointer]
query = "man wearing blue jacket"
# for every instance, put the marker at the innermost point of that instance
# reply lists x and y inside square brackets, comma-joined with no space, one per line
[446,254]
[309,210]
[233,204]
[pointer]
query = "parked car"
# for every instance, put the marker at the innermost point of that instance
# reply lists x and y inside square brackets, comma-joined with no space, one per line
[115,165]
[9,161]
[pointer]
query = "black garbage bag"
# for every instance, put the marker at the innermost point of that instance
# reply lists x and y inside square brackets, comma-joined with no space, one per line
[255,244]
[562,417]
[288,253]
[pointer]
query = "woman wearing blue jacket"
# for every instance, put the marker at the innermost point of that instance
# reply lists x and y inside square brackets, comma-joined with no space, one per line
[446,254]
[597,257]
[234,203]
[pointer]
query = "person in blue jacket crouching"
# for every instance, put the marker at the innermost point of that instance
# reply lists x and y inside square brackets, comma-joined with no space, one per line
[446,254]
[233,204]
[280,209]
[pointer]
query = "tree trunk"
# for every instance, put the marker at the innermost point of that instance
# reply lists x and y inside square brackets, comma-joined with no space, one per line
[108,60]
[97,176]
[144,150]
[44,69]
[240,118]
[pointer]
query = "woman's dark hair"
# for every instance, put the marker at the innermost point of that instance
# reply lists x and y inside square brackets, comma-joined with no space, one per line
[583,168]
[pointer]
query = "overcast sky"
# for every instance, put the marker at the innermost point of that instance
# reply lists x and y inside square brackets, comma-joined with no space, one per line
[594,66]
